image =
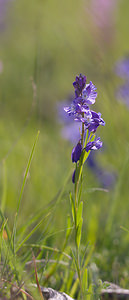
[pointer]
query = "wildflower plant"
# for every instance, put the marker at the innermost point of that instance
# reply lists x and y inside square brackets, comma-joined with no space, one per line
[80,109]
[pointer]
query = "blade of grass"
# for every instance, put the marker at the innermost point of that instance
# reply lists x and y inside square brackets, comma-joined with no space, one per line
[3,200]
[36,277]
[31,220]
[7,230]
[117,193]
[2,236]
[47,248]
[22,189]
[30,234]
[125,229]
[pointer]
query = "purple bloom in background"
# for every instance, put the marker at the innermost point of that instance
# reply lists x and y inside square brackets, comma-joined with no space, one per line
[102,17]
[71,132]
[62,116]
[70,129]
[1,66]
[122,68]
[4,5]
[102,11]
[107,179]
[122,93]
[96,144]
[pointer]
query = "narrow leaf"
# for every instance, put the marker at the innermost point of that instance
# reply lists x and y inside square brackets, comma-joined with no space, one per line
[72,207]
[3,200]
[30,234]
[22,188]
[78,234]
[85,280]
[79,212]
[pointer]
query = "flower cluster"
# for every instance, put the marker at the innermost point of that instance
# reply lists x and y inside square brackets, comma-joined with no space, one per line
[85,95]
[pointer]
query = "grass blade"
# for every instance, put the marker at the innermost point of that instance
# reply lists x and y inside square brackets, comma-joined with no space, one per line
[32,231]
[22,189]
[3,200]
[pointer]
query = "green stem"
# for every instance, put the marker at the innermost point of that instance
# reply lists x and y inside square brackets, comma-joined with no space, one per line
[79,272]
[78,180]
[86,139]
[76,208]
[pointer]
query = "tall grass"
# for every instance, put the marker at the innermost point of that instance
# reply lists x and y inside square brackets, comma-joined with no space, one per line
[52,42]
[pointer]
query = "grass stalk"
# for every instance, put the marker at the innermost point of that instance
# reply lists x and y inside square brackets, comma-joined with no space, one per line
[22,189]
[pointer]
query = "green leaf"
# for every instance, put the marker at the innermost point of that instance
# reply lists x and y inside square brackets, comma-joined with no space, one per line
[72,207]
[3,200]
[76,263]
[27,170]
[79,212]
[83,158]
[47,248]
[69,227]
[85,280]
[88,258]
[7,230]
[78,233]
[1,234]
[74,288]
[89,292]
[125,229]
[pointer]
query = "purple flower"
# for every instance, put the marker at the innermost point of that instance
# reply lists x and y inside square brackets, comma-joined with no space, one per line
[85,95]
[76,152]
[89,94]
[81,103]
[71,110]
[79,84]
[93,121]
[76,108]
[73,176]
[79,109]
[97,144]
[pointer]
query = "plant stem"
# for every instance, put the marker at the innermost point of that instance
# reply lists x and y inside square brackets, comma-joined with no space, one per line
[76,210]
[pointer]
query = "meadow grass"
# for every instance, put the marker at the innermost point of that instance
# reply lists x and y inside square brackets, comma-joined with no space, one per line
[42,48]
